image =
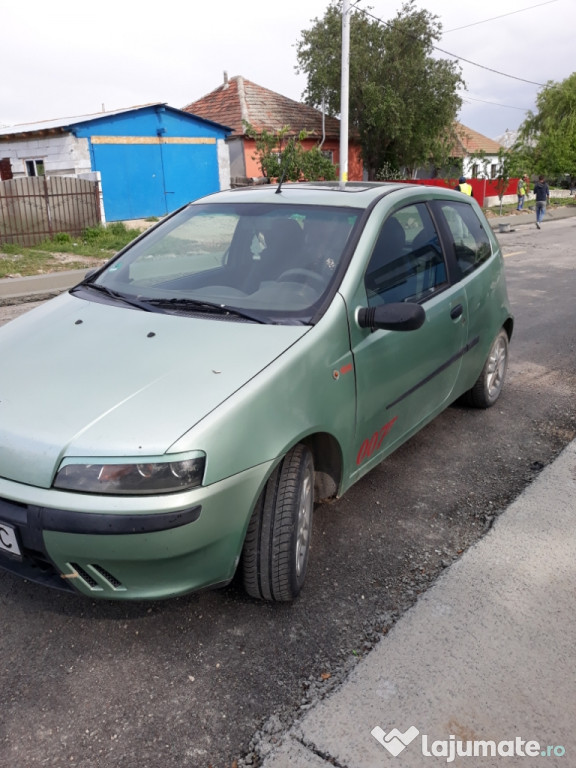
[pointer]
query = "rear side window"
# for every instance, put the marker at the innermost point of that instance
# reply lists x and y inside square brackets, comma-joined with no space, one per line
[471,242]
[407,263]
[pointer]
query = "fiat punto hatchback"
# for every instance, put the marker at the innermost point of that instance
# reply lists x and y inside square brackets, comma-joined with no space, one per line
[175,417]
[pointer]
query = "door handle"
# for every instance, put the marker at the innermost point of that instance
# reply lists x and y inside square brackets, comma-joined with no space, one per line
[456,311]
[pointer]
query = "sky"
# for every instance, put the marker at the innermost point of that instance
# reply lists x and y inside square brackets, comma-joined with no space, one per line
[65,59]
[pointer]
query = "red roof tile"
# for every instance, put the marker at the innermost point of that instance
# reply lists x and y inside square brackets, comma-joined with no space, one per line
[239,99]
[470,141]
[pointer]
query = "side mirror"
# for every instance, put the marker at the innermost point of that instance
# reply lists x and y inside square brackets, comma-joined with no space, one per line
[398,316]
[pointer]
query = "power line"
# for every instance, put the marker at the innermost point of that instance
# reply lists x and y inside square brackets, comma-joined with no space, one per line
[494,18]
[488,69]
[495,103]
[454,55]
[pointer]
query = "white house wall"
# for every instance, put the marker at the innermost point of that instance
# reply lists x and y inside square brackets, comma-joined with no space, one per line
[62,155]
[223,163]
[484,166]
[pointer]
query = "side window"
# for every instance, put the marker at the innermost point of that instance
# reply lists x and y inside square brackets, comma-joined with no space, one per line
[407,263]
[471,242]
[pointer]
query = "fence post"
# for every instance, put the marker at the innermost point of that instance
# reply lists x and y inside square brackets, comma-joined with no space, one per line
[100,198]
[48,208]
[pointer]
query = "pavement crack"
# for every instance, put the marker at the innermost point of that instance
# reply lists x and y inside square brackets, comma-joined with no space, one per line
[322,755]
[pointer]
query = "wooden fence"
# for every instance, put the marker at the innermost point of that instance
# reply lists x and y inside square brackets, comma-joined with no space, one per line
[35,208]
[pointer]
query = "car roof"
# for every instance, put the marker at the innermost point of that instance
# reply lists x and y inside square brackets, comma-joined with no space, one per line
[357,194]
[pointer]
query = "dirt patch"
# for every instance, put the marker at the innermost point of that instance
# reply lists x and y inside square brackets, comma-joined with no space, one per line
[72,260]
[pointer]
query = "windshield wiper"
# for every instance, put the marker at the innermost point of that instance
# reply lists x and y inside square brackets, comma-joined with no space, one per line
[117,296]
[198,305]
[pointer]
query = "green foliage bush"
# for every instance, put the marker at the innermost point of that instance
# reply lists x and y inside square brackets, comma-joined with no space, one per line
[282,155]
[62,237]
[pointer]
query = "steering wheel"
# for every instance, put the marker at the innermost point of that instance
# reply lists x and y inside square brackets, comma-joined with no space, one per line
[305,275]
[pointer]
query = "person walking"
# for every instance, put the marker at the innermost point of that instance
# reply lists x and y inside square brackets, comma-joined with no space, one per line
[464,187]
[521,191]
[542,195]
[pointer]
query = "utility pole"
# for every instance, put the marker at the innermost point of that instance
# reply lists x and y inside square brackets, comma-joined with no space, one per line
[344,92]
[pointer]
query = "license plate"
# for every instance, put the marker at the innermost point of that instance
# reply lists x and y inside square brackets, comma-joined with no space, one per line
[8,540]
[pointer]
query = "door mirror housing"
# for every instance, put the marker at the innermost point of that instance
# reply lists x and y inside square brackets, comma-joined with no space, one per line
[397,316]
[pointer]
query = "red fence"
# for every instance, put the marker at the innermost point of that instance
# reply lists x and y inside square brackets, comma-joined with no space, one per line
[482,188]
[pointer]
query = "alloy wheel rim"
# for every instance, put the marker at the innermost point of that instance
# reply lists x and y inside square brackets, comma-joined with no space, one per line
[304,522]
[496,368]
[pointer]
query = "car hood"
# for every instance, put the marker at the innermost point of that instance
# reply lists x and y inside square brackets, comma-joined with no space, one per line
[80,378]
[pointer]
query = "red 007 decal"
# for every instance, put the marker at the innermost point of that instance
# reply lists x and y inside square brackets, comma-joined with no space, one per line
[374,443]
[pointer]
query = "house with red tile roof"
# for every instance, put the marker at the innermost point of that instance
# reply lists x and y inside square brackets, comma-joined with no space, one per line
[470,143]
[238,101]
[473,155]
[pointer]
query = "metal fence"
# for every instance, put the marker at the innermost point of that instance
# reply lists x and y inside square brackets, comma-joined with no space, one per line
[35,208]
[482,188]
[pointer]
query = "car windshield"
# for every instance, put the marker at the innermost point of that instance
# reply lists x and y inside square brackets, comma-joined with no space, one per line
[261,261]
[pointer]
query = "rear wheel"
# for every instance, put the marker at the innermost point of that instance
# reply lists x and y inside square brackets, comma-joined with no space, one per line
[277,545]
[490,382]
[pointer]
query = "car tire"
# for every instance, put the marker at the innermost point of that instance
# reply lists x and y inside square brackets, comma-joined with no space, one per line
[277,544]
[489,385]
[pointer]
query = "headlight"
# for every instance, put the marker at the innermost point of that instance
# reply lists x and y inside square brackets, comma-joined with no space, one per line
[131,476]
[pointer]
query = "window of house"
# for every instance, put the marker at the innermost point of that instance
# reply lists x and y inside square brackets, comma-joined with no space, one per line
[493,171]
[35,167]
[328,154]
[471,242]
[407,263]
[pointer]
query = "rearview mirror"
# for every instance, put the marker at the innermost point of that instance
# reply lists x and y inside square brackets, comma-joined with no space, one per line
[398,316]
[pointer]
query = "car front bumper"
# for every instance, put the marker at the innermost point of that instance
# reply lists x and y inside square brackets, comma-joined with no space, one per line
[132,548]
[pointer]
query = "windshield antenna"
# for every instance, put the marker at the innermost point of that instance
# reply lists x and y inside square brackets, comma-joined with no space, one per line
[279,189]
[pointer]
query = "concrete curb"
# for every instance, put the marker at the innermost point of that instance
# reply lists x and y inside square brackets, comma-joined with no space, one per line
[19,290]
[487,653]
[527,217]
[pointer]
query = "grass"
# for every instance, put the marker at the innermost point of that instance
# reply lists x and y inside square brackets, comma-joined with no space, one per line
[92,248]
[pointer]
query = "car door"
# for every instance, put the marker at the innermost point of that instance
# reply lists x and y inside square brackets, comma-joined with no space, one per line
[479,267]
[404,378]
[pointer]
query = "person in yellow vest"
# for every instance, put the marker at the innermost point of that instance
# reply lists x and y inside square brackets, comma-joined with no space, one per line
[522,191]
[464,187]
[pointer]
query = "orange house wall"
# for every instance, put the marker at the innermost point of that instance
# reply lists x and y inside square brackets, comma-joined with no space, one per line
[252,168]
[355,166]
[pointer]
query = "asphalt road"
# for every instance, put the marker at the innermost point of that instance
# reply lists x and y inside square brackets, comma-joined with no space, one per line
[212,678]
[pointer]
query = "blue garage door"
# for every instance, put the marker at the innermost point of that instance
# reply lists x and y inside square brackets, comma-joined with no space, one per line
[190,171]
[152,179]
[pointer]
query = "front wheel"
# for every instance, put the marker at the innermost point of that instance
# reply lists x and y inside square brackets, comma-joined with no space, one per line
[489,384]
[277,544]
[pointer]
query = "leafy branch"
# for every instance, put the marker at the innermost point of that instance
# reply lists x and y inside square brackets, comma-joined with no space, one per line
[283,155]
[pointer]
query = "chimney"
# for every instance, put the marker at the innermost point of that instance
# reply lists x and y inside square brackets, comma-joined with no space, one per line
[226,79]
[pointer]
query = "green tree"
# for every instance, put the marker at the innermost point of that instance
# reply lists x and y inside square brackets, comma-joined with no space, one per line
[506,170]
[509,164]
[403,101]
[282,155]
[547,138]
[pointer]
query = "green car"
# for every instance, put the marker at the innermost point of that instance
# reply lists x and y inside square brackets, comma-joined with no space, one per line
[174,418]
